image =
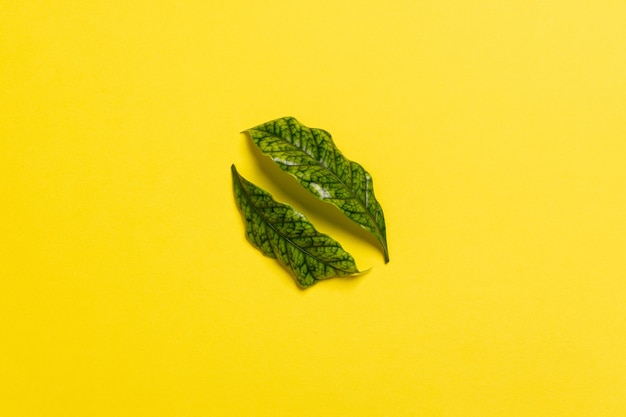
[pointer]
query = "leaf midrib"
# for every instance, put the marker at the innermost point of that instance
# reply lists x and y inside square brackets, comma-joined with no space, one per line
[354,196]
[267,222]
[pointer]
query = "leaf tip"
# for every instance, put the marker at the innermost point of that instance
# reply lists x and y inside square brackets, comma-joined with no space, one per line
[363,271]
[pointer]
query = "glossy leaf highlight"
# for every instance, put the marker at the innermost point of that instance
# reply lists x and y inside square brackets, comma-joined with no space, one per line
[310,155]
[281,232]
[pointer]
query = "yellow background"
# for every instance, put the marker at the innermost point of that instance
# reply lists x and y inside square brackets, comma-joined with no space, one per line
[495,132]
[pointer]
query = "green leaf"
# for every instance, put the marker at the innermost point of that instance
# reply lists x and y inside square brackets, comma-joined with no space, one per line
[280,232]
[311,156]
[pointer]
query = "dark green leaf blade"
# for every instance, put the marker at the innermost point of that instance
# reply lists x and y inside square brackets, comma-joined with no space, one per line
[280,232]
[310,155]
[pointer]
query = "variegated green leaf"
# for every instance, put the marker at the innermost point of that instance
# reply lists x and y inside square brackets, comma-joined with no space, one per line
[280,232]
[311,156]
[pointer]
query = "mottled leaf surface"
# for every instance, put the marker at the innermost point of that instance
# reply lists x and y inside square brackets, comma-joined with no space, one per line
[311,156]
[280,232]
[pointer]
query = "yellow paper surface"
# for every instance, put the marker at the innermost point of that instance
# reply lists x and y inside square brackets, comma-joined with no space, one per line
[495,133]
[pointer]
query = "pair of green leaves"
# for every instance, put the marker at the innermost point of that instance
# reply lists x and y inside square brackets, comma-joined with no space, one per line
[281,232]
